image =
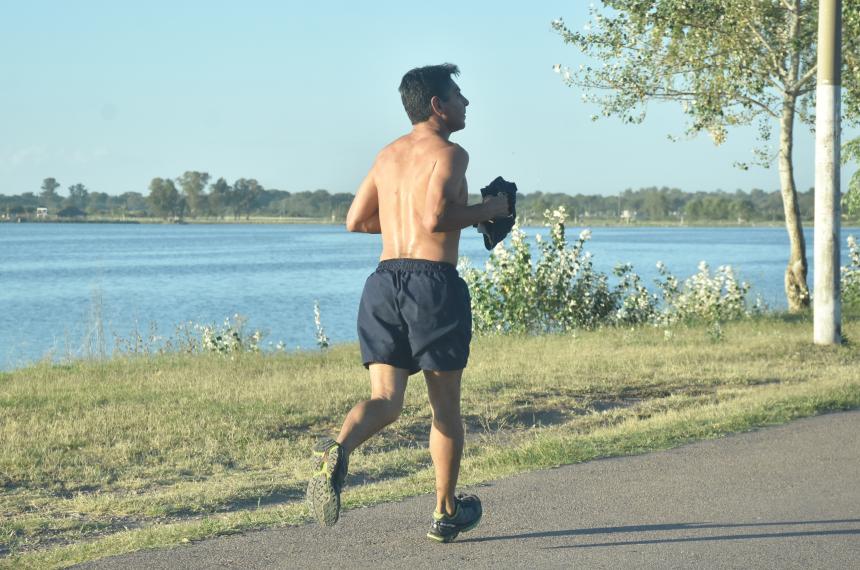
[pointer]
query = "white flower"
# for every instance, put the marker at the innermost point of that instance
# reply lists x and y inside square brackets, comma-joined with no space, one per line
[585,234]
[557,68]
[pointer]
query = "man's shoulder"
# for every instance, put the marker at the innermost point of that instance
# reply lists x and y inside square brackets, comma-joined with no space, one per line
[429,147]
[455,153]
[450,151]
[394,147]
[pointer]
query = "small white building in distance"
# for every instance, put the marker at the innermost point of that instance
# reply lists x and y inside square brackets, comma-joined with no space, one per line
[628,216]
[41,212]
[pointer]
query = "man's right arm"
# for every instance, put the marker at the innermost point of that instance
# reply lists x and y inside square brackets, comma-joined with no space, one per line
[442,211]
[363,215]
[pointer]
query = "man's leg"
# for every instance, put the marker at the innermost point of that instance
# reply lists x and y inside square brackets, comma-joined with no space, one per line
[387,388]
[446,434]
[388,385]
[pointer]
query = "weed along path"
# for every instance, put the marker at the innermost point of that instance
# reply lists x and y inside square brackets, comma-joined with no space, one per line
[780,497]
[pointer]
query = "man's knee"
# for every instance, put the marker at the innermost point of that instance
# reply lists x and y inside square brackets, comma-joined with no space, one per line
[389,408]
[449,422]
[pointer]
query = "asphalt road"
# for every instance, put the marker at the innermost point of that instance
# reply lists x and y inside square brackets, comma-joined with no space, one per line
[784,497]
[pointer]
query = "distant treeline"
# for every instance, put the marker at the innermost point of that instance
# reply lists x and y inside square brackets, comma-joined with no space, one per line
[193,196]
[664,204]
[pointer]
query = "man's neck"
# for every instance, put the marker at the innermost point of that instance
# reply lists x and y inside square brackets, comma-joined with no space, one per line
[432,126]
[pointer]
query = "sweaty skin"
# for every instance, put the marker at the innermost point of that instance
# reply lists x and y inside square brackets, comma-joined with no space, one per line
[416,195]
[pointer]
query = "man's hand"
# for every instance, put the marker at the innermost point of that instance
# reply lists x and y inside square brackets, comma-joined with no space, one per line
[497,206]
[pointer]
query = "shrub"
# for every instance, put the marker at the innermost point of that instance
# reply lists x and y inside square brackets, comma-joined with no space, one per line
[321,337]
[561,290]
[704,297]
[558,292]
[227,339]
[850,276]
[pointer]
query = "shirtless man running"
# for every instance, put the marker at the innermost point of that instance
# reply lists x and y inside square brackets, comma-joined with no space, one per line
[415,311]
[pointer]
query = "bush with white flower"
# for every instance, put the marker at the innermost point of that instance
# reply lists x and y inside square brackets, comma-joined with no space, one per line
[704,297]
[230,338]
[850,276]
[561,290]
[636,304]
[557,292]
[322,338]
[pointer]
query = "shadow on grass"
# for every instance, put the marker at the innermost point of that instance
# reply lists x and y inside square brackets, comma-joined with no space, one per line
[680,527]
[287,495]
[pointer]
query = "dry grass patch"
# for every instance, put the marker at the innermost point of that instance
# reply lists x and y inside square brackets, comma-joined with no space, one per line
[106,457]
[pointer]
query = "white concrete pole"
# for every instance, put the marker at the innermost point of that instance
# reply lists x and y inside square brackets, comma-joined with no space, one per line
[827,306]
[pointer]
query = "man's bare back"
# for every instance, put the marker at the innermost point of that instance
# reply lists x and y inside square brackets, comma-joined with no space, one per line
[416,193]
[403,172]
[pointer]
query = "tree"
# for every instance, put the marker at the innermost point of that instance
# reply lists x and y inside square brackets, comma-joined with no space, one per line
[220,197]
[743,209]
[193,186]
[78,196]
[98,203]
[851,108]
[655,204]
[728,62]
[163,197]
[71,212]
[246,193]
[851,199]
[694,209]
[49,196]
[132,203]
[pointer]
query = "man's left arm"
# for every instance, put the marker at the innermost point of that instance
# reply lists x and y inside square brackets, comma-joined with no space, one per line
[363,215]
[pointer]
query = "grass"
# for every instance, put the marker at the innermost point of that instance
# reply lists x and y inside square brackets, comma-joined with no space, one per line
[100,458]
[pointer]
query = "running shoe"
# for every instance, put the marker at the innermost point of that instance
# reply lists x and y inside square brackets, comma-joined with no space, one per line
[323,495]
[467,515]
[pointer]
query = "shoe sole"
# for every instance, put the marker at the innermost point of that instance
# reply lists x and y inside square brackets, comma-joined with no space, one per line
[446,539]
[321,495]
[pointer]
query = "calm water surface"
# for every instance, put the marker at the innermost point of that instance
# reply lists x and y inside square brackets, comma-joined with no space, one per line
[53,276]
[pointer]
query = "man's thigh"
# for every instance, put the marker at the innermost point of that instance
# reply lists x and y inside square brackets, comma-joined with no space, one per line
[443,390]
[388,382]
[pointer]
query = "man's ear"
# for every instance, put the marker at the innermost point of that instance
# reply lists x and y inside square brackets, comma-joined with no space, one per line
[436,105]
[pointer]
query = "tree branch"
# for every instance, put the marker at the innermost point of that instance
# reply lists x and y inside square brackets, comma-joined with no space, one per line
[780,71]
[670,94]
[810,73]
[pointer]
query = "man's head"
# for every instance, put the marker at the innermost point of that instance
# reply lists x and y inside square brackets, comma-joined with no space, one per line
[428,91]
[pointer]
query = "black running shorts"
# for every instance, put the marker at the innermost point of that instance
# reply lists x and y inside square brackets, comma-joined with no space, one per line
[415,314]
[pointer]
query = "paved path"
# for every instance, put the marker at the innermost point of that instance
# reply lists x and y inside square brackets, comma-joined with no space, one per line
[784,497]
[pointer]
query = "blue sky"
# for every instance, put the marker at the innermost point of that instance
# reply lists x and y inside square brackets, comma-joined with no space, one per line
[302,95]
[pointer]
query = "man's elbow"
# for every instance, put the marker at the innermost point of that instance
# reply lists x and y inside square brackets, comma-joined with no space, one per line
[352,225]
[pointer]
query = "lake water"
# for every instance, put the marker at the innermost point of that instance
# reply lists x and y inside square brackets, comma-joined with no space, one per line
[53,276]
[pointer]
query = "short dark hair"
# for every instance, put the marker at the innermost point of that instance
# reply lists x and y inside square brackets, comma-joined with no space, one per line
[421,84]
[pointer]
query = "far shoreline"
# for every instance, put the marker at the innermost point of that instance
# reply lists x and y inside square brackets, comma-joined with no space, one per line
[275,220]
